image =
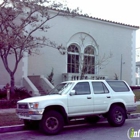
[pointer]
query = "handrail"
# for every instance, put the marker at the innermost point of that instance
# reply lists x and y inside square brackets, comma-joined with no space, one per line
[30,87]
[77,76]
[45,84]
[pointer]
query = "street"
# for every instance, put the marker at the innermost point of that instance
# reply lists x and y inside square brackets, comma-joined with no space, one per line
[99,131]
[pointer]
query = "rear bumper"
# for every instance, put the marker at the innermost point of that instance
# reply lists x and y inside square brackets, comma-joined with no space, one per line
[131,108]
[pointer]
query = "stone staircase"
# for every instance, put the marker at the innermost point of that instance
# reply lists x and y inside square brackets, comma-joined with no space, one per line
[41,91]
[42,85]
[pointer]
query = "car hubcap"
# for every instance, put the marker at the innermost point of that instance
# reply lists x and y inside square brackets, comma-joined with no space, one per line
[52,123]
[118,116]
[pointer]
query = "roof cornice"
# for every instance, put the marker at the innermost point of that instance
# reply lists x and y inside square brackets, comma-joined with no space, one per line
[101,20]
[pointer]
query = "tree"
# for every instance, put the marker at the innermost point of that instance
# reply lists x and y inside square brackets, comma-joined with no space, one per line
[101,62]
[19,20]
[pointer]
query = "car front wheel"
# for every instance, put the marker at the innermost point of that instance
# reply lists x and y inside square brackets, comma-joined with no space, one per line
[52,122]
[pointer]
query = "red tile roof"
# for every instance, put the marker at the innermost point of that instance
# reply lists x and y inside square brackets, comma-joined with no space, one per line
[137,27]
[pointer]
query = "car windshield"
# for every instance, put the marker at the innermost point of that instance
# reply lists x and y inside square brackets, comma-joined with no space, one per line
[60,88]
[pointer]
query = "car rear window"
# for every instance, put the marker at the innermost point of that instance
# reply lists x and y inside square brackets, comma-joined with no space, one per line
[118,86]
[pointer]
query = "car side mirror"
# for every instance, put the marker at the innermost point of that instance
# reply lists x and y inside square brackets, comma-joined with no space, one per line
[72,92]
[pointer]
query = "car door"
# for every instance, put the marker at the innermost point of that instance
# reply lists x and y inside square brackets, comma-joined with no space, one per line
[102,96]
[82,101]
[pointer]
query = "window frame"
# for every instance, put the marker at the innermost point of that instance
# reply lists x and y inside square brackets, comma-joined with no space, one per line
[73,67]
[104,87]
[83,60]
[82,90]
[90,64]
[117,81]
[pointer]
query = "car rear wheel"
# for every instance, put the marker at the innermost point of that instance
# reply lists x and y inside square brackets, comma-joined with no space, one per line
[116,116]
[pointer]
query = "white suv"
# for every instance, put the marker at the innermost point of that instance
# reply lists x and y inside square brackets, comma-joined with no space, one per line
[87,99]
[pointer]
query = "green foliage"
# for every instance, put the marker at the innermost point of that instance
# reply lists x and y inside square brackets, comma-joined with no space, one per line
[137,94]
[3,93]
[116,77]
[138,109]
[20,93]
[50,77]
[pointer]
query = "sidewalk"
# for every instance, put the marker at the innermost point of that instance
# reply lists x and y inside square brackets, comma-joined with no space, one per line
[21,127]
[12,128]
[11,110]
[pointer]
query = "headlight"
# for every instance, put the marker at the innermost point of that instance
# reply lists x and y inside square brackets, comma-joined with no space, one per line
[33,105]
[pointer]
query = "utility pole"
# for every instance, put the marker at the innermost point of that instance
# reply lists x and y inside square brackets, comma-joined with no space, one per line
[121,69]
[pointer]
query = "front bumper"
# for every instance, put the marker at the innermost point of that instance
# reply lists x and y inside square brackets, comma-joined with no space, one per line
[30,114]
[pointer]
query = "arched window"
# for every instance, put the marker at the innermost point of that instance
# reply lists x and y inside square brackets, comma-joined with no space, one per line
[73,59]
[89,61]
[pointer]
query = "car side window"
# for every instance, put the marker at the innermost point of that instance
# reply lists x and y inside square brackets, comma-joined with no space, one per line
[99,88]
[82,88]
[118,86]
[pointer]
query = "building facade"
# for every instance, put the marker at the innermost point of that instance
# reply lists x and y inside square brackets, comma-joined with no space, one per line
[94,48]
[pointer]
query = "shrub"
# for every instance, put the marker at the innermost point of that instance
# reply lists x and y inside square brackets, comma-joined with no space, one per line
[20,93]
[50,77]
[135,87]
[3,93]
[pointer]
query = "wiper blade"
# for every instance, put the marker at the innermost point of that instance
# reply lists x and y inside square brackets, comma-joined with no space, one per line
[53,93]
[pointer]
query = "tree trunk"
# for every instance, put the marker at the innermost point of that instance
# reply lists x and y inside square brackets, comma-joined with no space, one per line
[82,72]
[82,76]
[12,84]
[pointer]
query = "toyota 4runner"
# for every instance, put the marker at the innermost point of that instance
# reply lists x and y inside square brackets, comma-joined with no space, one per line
[88,99]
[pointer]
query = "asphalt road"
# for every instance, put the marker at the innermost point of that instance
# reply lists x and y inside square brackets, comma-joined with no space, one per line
[100,131]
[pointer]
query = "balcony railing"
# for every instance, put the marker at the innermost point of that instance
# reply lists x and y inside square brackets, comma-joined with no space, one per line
[77,76]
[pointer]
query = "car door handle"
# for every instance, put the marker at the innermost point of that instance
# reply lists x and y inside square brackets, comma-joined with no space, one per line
[108,97]
[88,97]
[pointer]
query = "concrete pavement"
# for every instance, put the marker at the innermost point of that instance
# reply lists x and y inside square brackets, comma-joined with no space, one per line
[21,127]
[10,110]
[12,128]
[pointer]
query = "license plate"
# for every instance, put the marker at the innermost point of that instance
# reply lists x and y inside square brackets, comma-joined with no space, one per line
[23,114]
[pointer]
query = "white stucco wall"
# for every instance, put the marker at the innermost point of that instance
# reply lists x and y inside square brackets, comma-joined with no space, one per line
[117,39]
[111,38]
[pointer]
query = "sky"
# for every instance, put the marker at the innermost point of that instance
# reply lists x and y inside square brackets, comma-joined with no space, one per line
[126,11]
[123,11]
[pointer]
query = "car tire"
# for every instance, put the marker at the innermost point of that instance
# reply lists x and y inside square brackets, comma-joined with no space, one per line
[116,116]
[52,122]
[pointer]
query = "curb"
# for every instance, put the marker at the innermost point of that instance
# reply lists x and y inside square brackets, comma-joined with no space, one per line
[134,115]
[12,128]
